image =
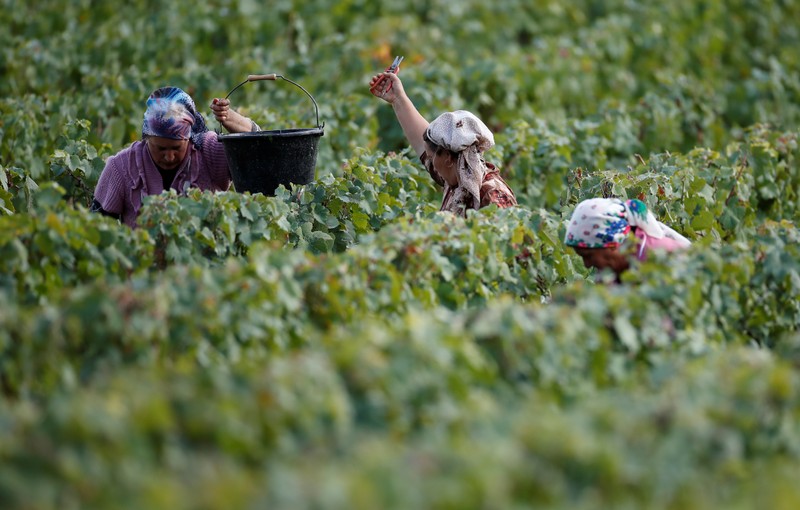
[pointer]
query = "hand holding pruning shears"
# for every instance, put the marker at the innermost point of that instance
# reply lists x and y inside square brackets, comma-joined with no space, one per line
[386,85]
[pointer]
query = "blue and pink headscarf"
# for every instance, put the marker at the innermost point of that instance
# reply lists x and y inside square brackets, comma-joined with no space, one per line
[606,222]
[171,114]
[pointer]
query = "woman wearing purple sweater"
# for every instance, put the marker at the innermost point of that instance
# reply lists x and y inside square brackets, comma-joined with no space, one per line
[176,151]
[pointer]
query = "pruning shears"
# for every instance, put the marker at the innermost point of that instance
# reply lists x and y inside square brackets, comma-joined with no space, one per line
[394,68]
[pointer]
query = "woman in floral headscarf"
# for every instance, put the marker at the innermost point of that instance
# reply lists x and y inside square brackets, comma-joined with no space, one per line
[451,149]
[176,151]
[599,226]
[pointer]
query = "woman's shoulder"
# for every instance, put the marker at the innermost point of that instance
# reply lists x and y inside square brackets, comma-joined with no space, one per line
[211,148]
[492,173]
[210,141]
[495,190]
[654,243]
[493,179]
[213,170]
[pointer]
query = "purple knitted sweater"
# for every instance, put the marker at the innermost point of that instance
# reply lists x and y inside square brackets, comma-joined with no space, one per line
[131,174]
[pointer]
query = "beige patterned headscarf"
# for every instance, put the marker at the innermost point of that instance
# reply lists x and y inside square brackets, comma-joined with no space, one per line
[464,133]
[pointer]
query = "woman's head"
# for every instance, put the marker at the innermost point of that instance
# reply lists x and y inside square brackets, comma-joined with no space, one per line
[456,131]
[599,223]
[171,115]
[599,226]
[455,143]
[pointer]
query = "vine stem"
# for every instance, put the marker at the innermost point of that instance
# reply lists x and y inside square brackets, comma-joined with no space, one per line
[738,176]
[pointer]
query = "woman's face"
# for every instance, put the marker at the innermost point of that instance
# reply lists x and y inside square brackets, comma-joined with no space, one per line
[444,163]
[604,258]
[167,153]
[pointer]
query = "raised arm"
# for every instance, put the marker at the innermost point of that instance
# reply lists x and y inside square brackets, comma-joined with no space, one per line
[230,119]
[387,86]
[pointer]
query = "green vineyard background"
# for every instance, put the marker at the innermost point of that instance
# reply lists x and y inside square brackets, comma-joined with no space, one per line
[345,345]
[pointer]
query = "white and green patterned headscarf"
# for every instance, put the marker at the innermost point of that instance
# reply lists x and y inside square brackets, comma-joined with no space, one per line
[606,222]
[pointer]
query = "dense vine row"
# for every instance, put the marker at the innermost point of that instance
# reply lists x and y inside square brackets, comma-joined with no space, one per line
[345,345]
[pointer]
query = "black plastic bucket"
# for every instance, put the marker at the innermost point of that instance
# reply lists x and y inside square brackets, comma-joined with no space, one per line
[263,160]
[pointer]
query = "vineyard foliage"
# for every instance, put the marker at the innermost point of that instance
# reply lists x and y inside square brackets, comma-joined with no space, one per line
[345,345]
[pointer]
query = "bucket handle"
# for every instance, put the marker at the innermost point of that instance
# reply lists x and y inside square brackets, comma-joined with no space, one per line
[273,77]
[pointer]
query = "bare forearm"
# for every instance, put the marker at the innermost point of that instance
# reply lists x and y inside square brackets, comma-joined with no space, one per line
[237,123]
[412,122]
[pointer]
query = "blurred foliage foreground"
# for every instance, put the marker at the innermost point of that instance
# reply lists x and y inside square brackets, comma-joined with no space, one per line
[343,344]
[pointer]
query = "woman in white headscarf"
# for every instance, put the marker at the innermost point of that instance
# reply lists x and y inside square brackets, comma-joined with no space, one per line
[599,226]
[451,148]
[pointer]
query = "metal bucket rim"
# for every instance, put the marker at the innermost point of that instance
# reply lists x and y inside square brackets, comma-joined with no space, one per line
[317,131]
